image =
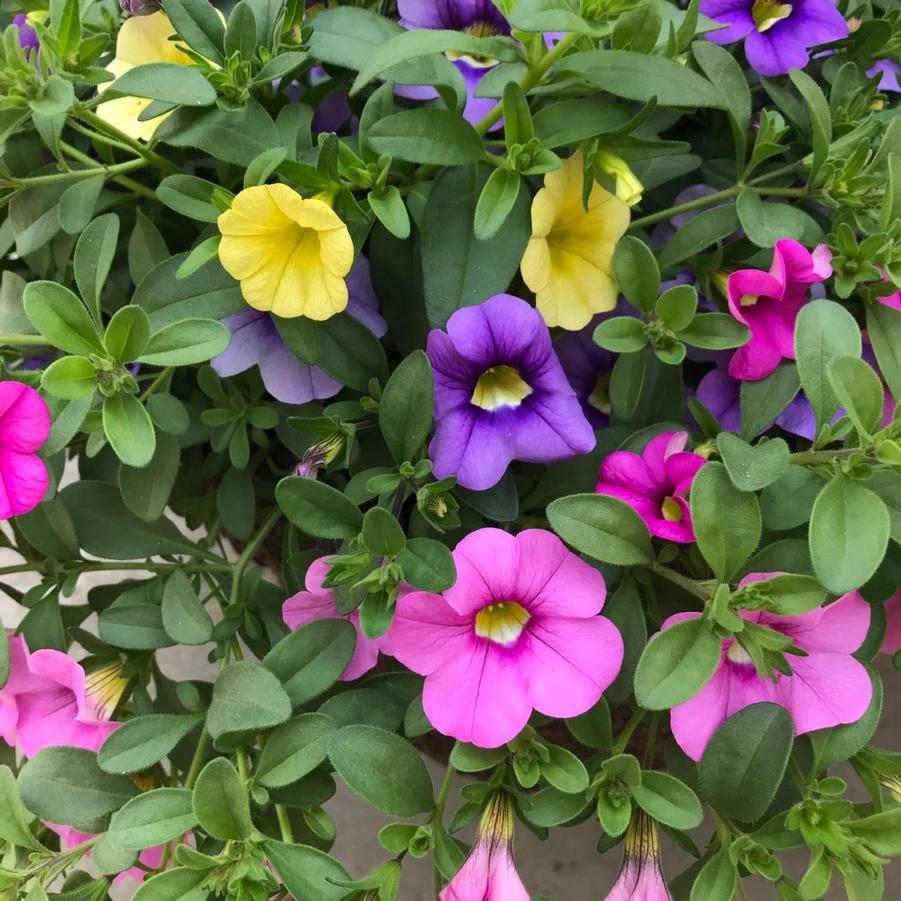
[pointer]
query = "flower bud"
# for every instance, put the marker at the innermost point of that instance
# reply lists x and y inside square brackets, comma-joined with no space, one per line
[140,7]
[628,188]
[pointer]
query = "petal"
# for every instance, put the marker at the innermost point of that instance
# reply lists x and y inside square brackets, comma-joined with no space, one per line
[695,721]
[24,418]
[293,382]
[646,507]
[254,337]
[776,51]
[627,470]
[891,644]
[23,483]
[734,13]
[839,628]
[488,564]
[427,632]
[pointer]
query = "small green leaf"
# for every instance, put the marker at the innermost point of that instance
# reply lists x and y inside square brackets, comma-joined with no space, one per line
[247,697]
[129,430]
[127,333]
[753,468]
[318,509]
[382,533]
[143,741]
[152,819]
[667,800]
[294,749]
[184,618]
[221,805]
[405,409]
[637,273]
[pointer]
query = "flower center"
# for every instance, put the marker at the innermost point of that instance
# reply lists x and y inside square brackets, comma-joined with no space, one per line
[737,654]
[670,510]
[767,13]
[500,386]
[748,300]
[479,29]
[600,394]
[502,622]
[102,690]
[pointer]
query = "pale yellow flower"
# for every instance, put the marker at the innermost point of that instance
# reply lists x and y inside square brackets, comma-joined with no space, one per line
[628,187]
[141,40]
[569,260]
[290,254]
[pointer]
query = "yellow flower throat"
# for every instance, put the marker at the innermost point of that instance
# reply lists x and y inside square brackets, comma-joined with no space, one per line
[500,386]
[502,622]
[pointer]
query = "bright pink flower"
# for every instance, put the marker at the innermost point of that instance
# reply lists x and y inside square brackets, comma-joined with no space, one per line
[890,300]
[24,426]
[656,484]
[828,687]
[640,878]
[61,705]
[519,630]
[768,303]
[489,873]
[891,644]
[319,603]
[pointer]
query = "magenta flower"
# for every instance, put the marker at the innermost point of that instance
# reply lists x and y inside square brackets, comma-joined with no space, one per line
[768,303]
[891,643]
[489,873]
[319,603]
[20,680]
[500,394]
[656,484]
[519,630]
[827,687]
[778,36]
[24,426]
[640,878]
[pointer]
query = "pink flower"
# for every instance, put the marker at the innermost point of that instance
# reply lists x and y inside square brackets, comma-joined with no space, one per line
[489,873]
[891,644]
[20,680]
[890,300]
[519,630]
[24,426]
[640,878]
[656,484]
[61,705]
[319,603]
[828,687]
[768,303]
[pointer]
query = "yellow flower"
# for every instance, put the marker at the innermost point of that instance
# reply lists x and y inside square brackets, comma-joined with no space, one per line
[628,188]
[142,39]
[289,253]
[569,260]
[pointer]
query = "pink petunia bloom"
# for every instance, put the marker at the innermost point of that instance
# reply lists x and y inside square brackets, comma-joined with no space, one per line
[655,484]
[768,303]
[24,426]
[891,644]
[519,630]
[640,878]
[489,873]
[20,680]
[61,705]
[319,603]
[890,300]
[828,687]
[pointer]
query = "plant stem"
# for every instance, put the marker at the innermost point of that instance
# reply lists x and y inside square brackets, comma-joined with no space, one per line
[284,824]
[813,458]
[197,760]
[124,567]
[438,819]
[247,555]
[623,738]
[243,768]
[151,156]
[130,183]
[689,584]
[24,340]
[76,174]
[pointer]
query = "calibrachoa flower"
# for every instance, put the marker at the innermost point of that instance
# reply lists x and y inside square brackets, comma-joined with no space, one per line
[588,368]
[140,7]
[655,484]
[827,687]
[18,681]
[569,260]
[500,394]
[28,36]
[891,644]
[777,35]
[256,342]
[24,426]
[640,878]
[290,253]
[319,603]
[768,303]
[519,630]
[489,873]
[889,71]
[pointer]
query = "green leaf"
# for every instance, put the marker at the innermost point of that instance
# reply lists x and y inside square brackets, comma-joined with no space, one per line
[170,82]
[146,248]
[881,831]
[382,533]
[753,468]
[708,227]
[676,664]
[62,318]
[745,760]
[221,805]
[184,618]
[677,306]
[766,223]
[714,331]
[564,770]
[667,800]
[247,697]
[405,409]
[637,273]
[468,758]
[294,749]
[434,137]
[189,196]
[127,333]
[849,532]
[427,564]
[94,253]
[152,819]
[602,527]
[884,330]
[76,206]
[241,33]
[820,117]
[764,400]
[350,353]
[621,334]
[129,430]
[15,820]
[550,807]
[383,769]
[70,378]
[727,77]
[143,741]
[146,491]
[318,509]
[133,621]
[859,391]
[198,23]
[301,335]
[496,201]
[717,878]
[177,884]
[726,521]
[308,873]
[573,121]
[186,343]
[388,205]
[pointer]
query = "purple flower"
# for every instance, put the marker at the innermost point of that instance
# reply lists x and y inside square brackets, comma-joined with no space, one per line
[777,35]
[256,342]
[140,7]
[588,369]
[500,394]
[332,111]
[28,37]
[889,70]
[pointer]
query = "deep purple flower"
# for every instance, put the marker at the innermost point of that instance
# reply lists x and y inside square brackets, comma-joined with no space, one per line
[28,37]
[777,35]
[588,368]
[890,72]
[477,17]
[500,394]
[140,7]
[257,342]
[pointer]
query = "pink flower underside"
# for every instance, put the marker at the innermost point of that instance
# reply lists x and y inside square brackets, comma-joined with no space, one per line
[891,644]
[640,880]
[489,874]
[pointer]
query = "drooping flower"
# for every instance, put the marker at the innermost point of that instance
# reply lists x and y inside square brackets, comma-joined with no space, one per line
[768,303]
[655,484]
[889,72]
[500,394]
[891,643]
[256,341]
[24,427]
[778,36]
[291,254]
[142,39]
[588,368]
[319,603]
[568,262]
[476,17]
[518,631]
[489,873]
[827,687]
[28,36]
[641,876]
[63,705]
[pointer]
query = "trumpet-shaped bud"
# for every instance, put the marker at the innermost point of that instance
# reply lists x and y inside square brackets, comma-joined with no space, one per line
[628,188]
[640,878]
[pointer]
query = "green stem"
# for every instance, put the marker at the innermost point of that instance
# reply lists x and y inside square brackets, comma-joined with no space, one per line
[623,738]
[243,768]
[438,819]
[165,373]
[284,824]
[247,554]
[123,567]
[130,183]
[197,760]
[141,149]
[76,174]
[24,340]
[814,458]
[689,584]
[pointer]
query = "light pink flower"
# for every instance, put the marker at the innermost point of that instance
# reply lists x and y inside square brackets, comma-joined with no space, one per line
[489,873]
[24,426]
[519,630]
[640,878]
[319,603]
[891,644]
[20,680]
[828,687]
[768,303]
[656,484]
